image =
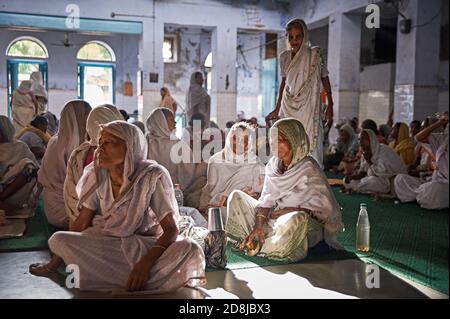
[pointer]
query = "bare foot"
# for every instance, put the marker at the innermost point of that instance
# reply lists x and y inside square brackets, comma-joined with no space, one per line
[41,269]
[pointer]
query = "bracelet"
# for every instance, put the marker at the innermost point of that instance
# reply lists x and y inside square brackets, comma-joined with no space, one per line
[261,215]
[159,246]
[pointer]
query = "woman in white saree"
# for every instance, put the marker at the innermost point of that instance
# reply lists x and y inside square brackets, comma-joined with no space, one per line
[236,167]
[132,241]
[23,105]
[18,167]
[82,156]
[297,208]
[174,154]
[302,72]
[71,133]
[197,99]
[379,166]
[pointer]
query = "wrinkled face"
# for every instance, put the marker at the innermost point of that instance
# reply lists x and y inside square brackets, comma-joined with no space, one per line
[295,38]
[170,121]
[199,78]
[239,141]
[364,141]
[280,146]
[111,150]
[414,129]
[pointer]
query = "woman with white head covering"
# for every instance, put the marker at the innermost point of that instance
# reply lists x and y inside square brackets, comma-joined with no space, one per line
[174,154]
[39,92]
[82,156]
[18,167]
[71,133]
[379,165]
[297,208]
[433,194]
[197,99]
[236,167]
[347,147]
[114,109]
[133,242]
[23,106]
[302,72]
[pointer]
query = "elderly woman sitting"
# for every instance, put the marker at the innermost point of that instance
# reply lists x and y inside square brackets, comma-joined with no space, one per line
[82,156]
[379,166]
[18,168]
[126,234]
[35,136]
[346,148]
[402,143]
[236,167]
[296,209]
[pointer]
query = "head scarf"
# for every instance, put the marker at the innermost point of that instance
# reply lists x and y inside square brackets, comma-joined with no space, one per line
[374,144]
[72,128]
[114,109]
[136,152]
[141,125]
[157,124]
[295,134]
[7,130]
[99,115]
[248,156]
[24,87]
[37,87]
[305,44]
[167,101]
[403,140]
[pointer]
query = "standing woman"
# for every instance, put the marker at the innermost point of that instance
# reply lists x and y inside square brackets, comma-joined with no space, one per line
[23,105]
[197,99]
[302,72]
[71,134]
[167,100]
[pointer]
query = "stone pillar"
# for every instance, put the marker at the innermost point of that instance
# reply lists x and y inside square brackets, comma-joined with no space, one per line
[151,62]
[344,46]
[223,86]
[417,63]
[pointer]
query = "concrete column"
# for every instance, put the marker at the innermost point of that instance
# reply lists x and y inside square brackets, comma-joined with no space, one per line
[151,61]
[344,46]
[223,86]
[417,63]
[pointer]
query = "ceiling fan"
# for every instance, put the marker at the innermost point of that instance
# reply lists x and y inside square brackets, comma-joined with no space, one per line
[66,42]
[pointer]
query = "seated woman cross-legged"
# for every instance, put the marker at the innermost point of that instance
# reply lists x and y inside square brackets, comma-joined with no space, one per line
[133,242]
[296,209]
[379,166]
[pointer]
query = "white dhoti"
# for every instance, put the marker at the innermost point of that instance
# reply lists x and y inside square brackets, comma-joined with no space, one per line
[105,265]
[430,195]
[287,237]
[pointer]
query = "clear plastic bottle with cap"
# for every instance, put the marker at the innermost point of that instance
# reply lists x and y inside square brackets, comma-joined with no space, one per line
[363,230]
[178,194]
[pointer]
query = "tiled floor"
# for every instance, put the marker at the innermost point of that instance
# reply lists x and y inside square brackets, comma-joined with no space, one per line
[335,279]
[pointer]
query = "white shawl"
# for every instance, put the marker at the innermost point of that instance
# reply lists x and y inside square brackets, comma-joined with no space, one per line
[12,151]
[38,90]
[302,185]
[198,101]
[75,165]
[301,96]
[130,213]
[161,142]
[23,108]
[228,172]
[71,134]
[385,162]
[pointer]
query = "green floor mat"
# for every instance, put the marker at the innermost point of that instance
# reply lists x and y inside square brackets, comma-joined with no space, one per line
[404,239]
[36,234]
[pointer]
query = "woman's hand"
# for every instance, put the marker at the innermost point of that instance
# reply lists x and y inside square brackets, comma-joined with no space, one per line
[272,115]
[139,275]
[257,234]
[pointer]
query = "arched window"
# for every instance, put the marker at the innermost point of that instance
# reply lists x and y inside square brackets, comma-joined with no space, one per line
[24,56]
[96,73]
[27,47]
[208,66]
[96,51]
